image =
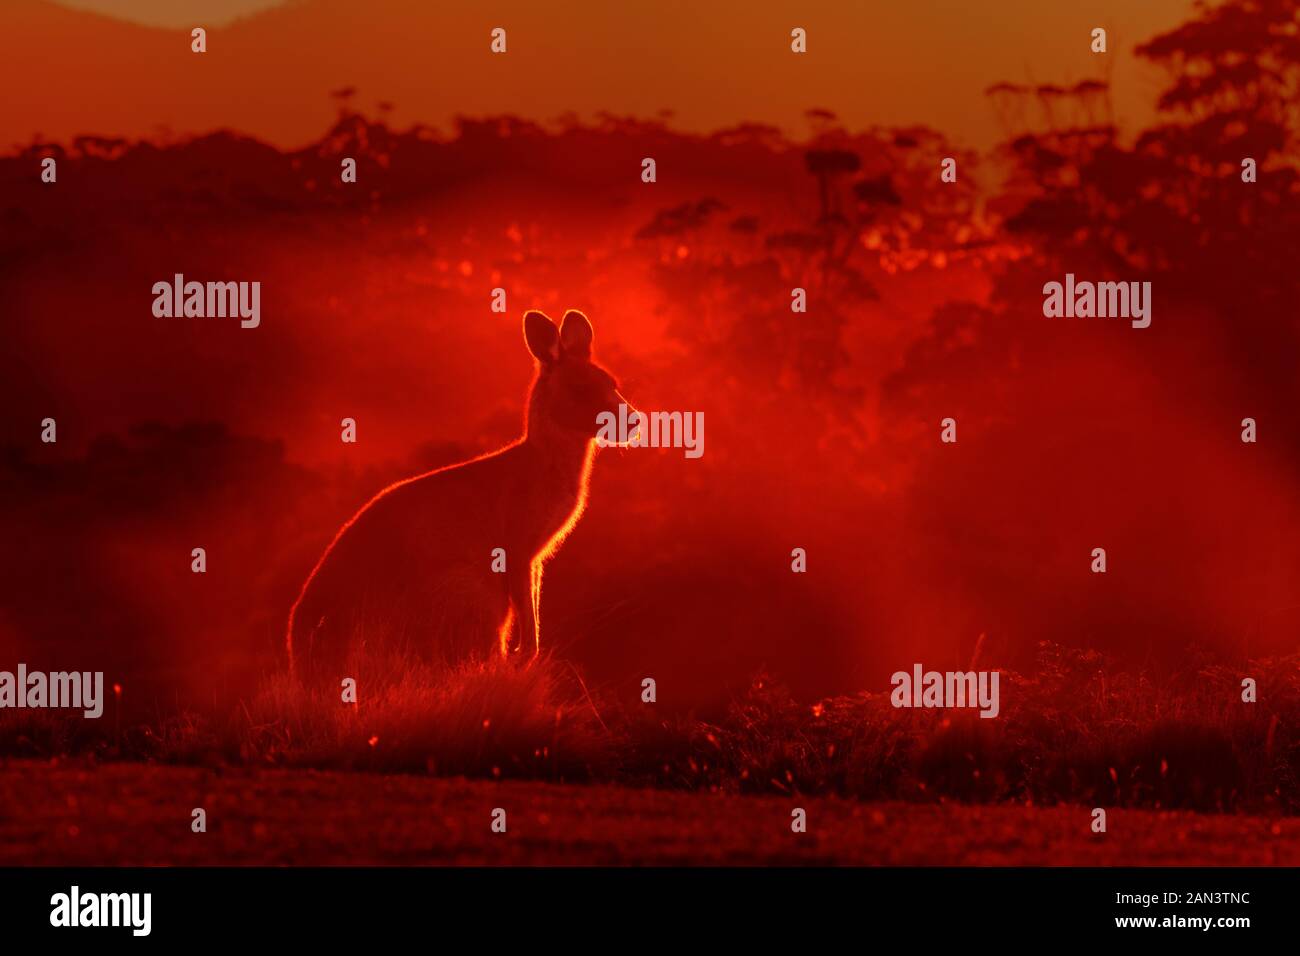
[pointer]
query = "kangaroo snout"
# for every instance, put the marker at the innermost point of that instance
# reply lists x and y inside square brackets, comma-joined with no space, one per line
[620,425]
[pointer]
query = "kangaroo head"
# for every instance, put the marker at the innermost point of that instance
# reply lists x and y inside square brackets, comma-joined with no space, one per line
[570,390]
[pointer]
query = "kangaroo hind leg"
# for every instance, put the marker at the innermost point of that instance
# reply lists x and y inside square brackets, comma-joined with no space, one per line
[524,609]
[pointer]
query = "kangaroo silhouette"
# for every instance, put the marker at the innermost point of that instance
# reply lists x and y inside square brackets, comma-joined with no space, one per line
[413,570]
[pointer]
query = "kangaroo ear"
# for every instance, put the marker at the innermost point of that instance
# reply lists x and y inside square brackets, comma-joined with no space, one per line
[575,334]
[541,335]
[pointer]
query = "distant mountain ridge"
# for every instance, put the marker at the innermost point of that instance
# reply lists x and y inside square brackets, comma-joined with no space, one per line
[172,13]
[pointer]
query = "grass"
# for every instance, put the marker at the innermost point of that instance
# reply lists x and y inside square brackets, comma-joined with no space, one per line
[1075,731]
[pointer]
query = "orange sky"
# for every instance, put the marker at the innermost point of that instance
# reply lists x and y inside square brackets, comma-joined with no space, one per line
[712,63]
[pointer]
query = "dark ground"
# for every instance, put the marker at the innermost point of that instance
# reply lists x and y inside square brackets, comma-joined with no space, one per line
[60,813]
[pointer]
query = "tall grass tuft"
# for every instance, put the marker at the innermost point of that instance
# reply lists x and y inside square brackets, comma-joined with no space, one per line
[479,718]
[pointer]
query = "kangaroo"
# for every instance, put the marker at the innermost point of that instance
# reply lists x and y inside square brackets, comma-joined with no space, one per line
[413,570]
